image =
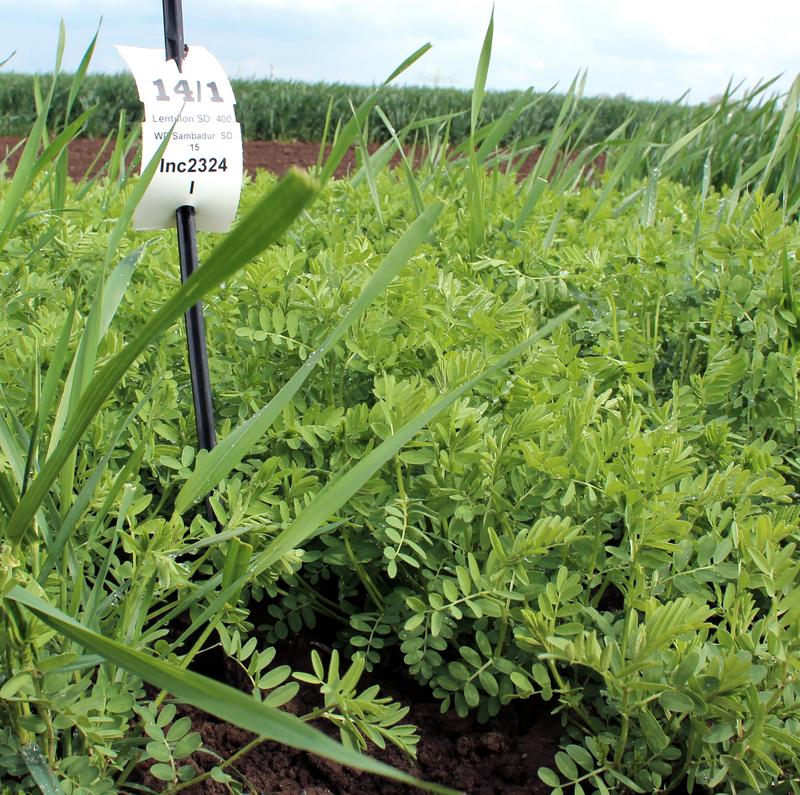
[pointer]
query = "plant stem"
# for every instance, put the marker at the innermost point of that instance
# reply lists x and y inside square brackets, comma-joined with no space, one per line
[205,776]
[372,589]
[192,653]
[623,734]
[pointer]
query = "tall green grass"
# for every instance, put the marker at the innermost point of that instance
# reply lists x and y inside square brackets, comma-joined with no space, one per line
[741,126]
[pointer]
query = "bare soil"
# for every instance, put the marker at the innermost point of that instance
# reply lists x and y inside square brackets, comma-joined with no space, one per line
[500,757]
[87,156]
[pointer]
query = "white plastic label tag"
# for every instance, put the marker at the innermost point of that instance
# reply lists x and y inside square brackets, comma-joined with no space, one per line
[202,164]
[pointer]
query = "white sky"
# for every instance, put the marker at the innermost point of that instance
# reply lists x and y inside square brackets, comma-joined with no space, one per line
[640,48]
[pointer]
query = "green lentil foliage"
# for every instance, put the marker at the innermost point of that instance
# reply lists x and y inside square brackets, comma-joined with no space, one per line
[608,525]
[601,522]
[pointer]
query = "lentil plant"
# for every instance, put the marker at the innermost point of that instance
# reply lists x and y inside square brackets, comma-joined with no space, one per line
[537,438]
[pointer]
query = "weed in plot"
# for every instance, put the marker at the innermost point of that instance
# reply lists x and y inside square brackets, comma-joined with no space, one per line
[593,507]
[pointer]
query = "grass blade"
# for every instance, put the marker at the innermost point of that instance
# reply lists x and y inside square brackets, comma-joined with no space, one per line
[81,503]
[80,73]
[368,168]
[213,467]
[500,127]
[107,300]
[410,179]
[23,178]
[263,226]
[218,699]
[40,771]
[541,171]
[350,130]
[57,362]
[337,492]
[410,61]
[479,87]
[325,130]
[59,143]
[683,141]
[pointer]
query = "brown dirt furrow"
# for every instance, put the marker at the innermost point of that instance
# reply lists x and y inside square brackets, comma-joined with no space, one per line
[500,757]
[87,156]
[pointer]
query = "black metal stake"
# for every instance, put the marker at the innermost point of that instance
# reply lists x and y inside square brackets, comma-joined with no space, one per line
[175,48]
[196,334]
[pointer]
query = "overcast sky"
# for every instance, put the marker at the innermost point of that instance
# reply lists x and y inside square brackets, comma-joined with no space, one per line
[640,48]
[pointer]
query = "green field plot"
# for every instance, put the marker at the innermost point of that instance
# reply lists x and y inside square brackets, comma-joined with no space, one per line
[535,437]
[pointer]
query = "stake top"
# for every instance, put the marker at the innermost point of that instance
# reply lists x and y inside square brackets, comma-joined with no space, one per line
[174,44]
